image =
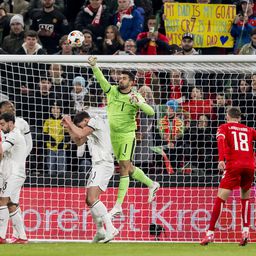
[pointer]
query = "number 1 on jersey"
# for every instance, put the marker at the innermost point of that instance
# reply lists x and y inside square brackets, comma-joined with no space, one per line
[241,141]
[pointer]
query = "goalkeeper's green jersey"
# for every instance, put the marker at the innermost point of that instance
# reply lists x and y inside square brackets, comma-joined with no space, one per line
[121,111]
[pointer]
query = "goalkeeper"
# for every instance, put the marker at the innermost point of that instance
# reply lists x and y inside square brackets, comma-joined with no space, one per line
[122,107]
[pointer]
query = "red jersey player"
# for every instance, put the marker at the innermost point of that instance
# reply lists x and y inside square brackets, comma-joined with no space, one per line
[236,159]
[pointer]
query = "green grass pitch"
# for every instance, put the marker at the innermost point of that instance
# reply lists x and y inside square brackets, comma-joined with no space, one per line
[126,249]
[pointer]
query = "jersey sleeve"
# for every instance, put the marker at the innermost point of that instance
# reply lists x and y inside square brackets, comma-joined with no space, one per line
[221,132]
[93,123]
[104,84]
[146,108]
[28,137]
[9,142]
[253,134]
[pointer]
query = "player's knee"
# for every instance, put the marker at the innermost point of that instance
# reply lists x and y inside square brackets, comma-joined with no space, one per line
[90,200]
[125,167]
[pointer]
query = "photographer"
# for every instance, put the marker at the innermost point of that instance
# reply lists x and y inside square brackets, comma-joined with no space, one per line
[152,42]
[244,23]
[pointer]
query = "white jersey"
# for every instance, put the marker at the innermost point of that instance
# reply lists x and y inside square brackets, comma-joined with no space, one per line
[14,155]
[24,128]
[99,143]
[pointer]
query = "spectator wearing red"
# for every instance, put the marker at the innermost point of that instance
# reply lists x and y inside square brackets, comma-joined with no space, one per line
[129,19]
[94,17]
[197,106]
[152,42]
[178,88]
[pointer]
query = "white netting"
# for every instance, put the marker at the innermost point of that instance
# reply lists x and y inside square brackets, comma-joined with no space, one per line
[177,150]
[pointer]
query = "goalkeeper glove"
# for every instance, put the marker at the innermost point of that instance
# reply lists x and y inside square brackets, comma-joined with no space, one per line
[134,99]
[92,60]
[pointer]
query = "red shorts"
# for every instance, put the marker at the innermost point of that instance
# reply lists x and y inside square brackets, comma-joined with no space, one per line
[237,178]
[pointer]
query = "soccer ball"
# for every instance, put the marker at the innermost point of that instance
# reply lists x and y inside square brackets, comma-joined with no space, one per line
[76,38]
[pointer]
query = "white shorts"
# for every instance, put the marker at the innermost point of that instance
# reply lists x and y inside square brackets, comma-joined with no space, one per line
[100,175]
[12,187]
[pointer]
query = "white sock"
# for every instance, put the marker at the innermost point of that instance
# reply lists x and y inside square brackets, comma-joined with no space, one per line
[118,206]
[18,224]
[98,222]
[245,229]
[100,210]
[14,230]
[209,233]
[4,217]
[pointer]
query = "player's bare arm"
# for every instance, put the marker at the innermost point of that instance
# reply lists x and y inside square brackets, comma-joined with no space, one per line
[78,135]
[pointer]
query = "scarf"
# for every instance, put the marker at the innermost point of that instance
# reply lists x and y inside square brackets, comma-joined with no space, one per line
[89,10]
[122,14]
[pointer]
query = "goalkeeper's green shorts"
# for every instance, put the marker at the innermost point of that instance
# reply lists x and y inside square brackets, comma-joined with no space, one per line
[123,145]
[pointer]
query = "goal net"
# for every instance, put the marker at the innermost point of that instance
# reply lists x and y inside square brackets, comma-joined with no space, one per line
[177,147]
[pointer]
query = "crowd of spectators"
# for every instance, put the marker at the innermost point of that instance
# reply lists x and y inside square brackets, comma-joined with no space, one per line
[109,24]
[189,106]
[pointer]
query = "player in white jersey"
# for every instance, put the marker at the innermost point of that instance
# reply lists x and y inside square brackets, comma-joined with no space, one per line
[13,163]
[20,123]
[23,126]
[95,131]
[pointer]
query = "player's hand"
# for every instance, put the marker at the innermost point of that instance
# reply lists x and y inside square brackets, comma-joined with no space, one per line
[221,166]
[92,60]
[135,99]
[66,121]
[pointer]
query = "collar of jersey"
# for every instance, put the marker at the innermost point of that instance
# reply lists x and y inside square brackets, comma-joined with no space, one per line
[124,92]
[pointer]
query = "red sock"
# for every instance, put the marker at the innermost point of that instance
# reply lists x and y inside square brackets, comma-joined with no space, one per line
[217,208]
[246,212]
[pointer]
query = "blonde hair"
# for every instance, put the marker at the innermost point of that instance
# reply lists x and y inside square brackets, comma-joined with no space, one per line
[148,94]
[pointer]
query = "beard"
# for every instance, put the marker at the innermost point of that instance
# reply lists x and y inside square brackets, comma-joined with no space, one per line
[6,131]
[50,5]
[187,48]
[122,87]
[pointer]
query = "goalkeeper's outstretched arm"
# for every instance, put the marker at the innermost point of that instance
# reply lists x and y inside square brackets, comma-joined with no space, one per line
[147,109]
[104,84]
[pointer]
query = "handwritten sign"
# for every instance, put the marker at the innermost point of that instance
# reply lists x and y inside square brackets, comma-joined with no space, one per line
[209,23]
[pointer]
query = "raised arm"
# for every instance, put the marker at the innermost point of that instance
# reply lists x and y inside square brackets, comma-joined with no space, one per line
[104,84]
[78,135]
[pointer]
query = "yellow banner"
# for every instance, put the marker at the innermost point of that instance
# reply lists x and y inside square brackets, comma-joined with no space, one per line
[209,23]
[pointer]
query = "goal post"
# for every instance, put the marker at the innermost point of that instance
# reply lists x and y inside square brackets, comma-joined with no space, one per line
[177,147]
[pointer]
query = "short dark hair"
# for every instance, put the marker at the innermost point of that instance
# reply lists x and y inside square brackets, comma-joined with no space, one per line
[151,17]
[220,94]
[129,74]
[5,102]
[79,117]
[234,112]
[7,117]
[253,32]
[31,33]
